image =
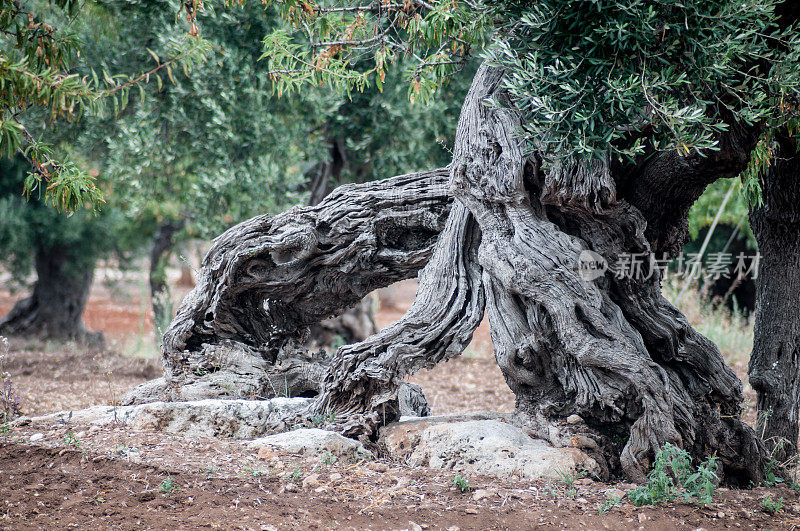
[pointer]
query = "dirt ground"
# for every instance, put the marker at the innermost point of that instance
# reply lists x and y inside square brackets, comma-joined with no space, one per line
[64,475]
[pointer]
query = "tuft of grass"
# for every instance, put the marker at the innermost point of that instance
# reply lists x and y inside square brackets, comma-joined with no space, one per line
[673,477]
[731,331]
[613,501]
[461,483]
[168,486]
[70,440]
[771,506]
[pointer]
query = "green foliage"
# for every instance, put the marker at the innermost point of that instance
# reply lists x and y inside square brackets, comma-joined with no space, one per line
[610,503]
[673,477]
[70,440]
[772,506]
[168,486]
[351,45]
[461,483]
[44,78]
[591,77]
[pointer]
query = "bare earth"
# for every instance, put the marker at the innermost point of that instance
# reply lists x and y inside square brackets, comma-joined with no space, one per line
[115,477]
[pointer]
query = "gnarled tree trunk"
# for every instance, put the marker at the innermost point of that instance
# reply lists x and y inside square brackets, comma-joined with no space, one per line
[606,345]
[241,332]
[775,361]
[54,309]
[610,349]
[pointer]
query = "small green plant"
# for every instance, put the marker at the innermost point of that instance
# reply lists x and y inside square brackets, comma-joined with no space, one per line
[5,430]
[771,506]
[168,486]
[613,501]
[328,458]
[70,440]
[319,419]
[770,479]
[460,482]
[673,477]
[295,475]
[568,479]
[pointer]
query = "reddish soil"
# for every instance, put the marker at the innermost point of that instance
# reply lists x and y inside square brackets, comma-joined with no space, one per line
[73,476]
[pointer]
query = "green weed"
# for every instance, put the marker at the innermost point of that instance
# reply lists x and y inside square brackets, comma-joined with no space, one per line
[673,477]
[461,483]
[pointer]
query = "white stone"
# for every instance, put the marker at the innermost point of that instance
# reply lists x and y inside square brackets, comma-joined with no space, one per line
[314,441]
[239,419]
[36,437]
[481,447]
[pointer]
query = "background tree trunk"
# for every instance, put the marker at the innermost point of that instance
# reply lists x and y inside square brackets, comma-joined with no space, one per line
[55,306]
[358,322]
[160,297]
[775,361]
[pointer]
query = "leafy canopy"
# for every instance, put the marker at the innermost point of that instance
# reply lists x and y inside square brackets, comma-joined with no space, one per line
[591,77]
[44,78]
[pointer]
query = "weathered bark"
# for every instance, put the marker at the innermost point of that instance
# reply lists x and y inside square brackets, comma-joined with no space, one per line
[775,361]
[54,309]
[160,297]
[241,331]
[611,350]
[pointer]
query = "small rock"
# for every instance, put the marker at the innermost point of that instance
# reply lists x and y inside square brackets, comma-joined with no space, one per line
[321,488]
[36,437]
[642,517]
[335,477]
[268,528]
[413,526]
[470,510]
[311,481]
[290,487]
[94,428]
[453,528]
[721,514]
[265,453]
[377,467]
[402,482]
[584,481]
[480,494]
[574,419]
[582,500]
[615,493]
[80,434]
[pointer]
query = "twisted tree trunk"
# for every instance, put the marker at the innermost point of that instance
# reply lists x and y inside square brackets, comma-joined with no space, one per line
[604,345]
[610,349]
[242,331]
[775,361]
